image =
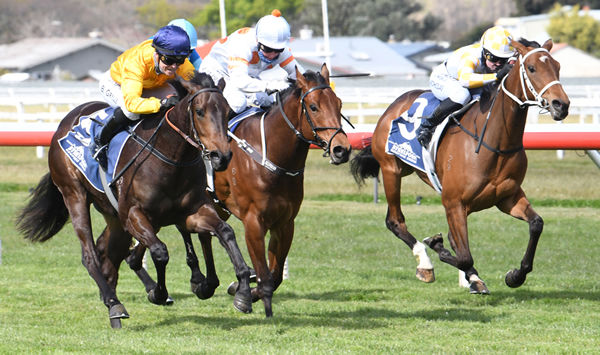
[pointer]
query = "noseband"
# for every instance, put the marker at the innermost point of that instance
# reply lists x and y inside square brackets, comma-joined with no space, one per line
[318,141]
[526,85]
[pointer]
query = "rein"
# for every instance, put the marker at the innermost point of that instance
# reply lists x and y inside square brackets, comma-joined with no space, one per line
[525,83]
[146,145]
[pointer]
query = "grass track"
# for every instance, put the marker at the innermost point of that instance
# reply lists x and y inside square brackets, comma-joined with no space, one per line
[351,289]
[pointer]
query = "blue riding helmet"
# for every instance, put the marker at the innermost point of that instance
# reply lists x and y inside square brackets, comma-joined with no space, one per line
[171,41]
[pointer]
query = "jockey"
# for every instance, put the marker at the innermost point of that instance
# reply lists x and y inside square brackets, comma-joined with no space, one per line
[146,66]
[194,57]
[467,68]
[243,55]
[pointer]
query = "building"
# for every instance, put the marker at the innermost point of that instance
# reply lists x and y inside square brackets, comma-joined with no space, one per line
[55,58]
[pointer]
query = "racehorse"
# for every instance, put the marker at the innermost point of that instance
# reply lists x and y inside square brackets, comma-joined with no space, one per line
[473,179]
[263,185]
[163,183]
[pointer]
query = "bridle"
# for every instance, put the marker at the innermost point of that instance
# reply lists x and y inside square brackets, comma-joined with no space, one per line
[195,142]
[527,86]
[318,141]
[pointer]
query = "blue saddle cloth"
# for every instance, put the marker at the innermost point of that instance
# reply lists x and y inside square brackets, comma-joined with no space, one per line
[76,145]
[402,139]
[249,111]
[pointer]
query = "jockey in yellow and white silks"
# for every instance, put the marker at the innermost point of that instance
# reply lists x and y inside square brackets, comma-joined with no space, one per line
[467,68]
[138,73]
[243,55]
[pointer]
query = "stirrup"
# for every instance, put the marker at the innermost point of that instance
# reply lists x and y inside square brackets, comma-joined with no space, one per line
[425,136]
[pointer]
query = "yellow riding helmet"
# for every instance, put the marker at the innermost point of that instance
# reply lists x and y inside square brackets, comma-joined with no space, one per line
[497,40]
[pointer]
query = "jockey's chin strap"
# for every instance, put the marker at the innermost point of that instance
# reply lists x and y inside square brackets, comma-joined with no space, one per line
[195,142]
[318,141]
[526,85]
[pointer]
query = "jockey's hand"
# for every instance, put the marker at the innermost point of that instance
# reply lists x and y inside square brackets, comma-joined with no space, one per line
[503,71]
[276,85]
[169,102]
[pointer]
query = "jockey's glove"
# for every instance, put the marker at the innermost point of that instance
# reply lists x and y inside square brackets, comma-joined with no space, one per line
[276,85]
[169,102]
[503,71]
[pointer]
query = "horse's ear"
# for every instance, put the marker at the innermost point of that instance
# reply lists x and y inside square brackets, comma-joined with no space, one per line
[300,79]
[548,44]
[181,85]
[519,47]
[325,72]
[221,84]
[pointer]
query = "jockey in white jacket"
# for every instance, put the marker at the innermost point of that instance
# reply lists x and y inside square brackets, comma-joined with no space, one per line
[243,55]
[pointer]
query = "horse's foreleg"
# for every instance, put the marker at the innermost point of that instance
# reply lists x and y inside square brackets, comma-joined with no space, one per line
[255,240]
[459,241]
[141,229]
[207,221]
[395,222]
[80,218]
[519,207]
[279,246]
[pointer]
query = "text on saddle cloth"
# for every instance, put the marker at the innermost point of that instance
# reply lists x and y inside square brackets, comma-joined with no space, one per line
[76,145]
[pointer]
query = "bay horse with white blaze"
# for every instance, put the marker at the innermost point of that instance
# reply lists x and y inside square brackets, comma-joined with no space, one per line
[263,185]
[473,179]
[164,184]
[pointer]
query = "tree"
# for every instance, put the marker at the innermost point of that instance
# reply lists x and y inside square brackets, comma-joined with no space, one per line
[534,7]
[380,18]
[241,13]
[581,32]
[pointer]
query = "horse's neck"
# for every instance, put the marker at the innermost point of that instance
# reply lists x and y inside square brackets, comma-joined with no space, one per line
[284,148]
[168,141]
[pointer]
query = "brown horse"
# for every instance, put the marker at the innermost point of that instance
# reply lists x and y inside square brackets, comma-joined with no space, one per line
[164,184]
[263,185]
[474,180]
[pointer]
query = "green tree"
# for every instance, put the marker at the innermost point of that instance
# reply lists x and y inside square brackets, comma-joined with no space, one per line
[157,13]
[581,32]
[380,18]
[534,7]
[241,13]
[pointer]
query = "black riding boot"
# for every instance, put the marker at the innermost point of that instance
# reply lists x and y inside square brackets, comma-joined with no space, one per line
[428,124]
[113,125]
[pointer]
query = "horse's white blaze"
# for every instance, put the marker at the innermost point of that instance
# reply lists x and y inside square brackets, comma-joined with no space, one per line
[544,58]
[420,252]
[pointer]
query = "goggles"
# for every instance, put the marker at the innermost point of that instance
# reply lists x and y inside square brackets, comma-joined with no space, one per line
[492,58]
[266,49]
[172,59]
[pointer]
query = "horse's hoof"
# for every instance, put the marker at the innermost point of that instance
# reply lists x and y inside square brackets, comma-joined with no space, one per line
[117,311]
[169,301]
[202,291]
[432,241]
[478,287]
[242,303]
[161,301]
[425,275]
[514,279]
[232,288]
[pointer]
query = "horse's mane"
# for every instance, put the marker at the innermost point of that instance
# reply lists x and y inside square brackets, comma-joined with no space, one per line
[528,43]
[201,79]
[293,89]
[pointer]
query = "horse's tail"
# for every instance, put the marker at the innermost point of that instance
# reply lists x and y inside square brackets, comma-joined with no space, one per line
[45,214]
[364,165]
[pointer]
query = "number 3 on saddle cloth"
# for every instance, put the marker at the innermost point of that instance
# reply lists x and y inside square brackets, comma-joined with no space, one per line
[76,146]
[402,139]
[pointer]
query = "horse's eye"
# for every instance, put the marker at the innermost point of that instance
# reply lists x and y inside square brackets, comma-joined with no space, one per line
[531,68]
[200,112]
[313,107]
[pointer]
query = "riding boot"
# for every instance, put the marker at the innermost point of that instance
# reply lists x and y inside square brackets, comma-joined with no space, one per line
[428,124]
[113,125]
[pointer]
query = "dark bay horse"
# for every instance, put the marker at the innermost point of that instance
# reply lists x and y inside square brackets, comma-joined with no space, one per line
[473,179]
[164,185]
[265,189]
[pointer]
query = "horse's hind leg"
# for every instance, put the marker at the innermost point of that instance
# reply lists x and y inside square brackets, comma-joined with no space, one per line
[395,221]
[80,218]
[519,207]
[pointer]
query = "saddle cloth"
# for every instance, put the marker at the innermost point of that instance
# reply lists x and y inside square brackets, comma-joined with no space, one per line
[402,138]
[249,111]
[76,145]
